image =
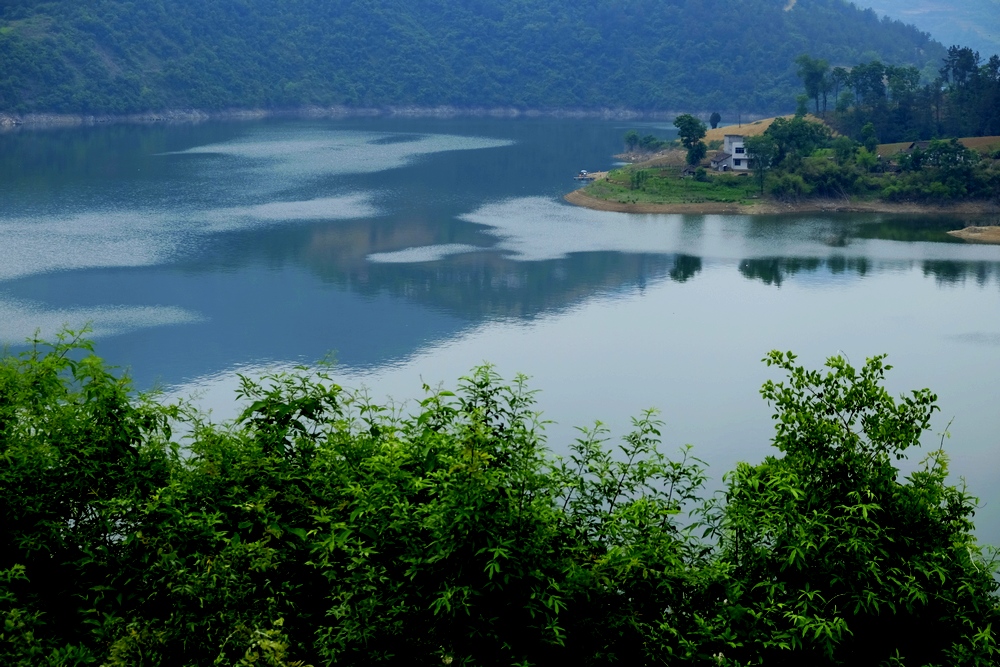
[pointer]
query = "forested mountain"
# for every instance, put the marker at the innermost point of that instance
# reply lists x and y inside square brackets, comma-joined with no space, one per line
[118,56]
[972,23]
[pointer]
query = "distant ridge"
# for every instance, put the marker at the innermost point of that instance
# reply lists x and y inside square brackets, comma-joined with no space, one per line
[119,57]
[972,23]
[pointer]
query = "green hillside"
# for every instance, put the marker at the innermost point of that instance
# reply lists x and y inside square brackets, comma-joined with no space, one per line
[972,23]
[118,56]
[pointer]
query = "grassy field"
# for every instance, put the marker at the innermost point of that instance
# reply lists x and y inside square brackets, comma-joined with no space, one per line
[665,186]
[754,129]
[975,143]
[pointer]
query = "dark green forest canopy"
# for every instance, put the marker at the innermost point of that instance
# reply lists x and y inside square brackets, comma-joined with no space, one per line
[113,56]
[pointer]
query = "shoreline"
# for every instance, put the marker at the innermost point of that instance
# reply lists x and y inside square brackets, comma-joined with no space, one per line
[41,120]
[973,234]
[771,207]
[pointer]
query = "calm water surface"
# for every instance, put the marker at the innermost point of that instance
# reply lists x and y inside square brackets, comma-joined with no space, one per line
[416,249]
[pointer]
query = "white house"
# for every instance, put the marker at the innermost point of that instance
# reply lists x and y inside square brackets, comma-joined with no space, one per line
[733,156]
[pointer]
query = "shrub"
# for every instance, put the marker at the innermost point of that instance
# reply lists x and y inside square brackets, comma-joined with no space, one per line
[322,528]
[787,186]
[836,559]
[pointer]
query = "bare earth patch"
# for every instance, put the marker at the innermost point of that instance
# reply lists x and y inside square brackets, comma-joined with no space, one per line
[989,234]
[773,207]
[752,129]
[975,143]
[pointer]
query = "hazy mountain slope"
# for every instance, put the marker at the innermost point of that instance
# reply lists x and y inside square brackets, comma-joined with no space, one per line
[122,56]
[972,23]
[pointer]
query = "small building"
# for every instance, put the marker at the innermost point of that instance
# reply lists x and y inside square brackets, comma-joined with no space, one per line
[733,156]
[916,146]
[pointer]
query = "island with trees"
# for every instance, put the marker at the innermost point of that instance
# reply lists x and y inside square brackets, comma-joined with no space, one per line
[888,144]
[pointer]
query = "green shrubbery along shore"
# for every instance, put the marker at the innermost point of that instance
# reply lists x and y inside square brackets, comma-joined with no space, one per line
[320,528]
[797,159]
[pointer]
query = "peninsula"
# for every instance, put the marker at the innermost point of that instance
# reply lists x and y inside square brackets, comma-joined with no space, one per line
[799,164]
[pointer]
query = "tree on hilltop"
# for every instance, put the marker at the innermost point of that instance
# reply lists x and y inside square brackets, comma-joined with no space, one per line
[813,74]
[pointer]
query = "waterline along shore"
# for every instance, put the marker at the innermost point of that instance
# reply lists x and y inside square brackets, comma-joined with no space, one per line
[43,120]
[773,207]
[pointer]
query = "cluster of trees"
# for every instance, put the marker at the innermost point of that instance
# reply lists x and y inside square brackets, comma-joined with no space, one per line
[647,143]
[961,99]
[322,528]
[690,132]
[117,56]
[975,23]
[796,157]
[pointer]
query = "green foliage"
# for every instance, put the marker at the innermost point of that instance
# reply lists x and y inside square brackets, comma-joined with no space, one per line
[762,152]
[690,130]
[837,559]
[868,138]
[637,178]
[666,186]
[813,73]
[697,153]
[321,528]
[865,159]
[631,140]
[975,23]
[714,119]
[76,463]
[114,56]
[647,143]
[797,138]
[892,104]
[844,149]
[801,105]
[651,143]
[787,186]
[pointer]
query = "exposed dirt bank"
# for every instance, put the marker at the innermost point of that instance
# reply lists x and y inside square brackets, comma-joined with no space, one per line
[979,234]
[41,120]
[771,207]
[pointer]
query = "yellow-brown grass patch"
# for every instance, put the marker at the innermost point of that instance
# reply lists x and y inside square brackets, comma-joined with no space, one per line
[981,143]
[753,129]
[975,143]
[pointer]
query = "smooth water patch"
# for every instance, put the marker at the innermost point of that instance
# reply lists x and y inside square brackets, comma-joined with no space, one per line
[537,228]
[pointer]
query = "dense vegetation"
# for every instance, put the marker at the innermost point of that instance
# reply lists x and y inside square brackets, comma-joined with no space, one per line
[797,158]
[320,528]
[975,23]
[962,100]
[876,105]
[116,56]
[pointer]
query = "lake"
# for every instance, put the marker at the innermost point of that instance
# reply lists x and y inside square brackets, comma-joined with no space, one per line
[414,249]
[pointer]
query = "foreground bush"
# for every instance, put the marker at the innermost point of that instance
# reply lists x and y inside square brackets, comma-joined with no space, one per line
[320,528]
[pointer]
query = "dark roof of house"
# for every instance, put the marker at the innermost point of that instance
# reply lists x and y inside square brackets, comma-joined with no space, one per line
[719,157]
[922,145]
